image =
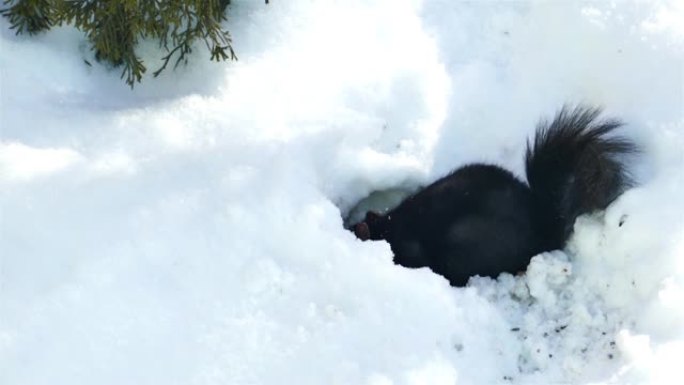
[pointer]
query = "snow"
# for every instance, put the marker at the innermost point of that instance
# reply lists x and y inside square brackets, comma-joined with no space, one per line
[191,231]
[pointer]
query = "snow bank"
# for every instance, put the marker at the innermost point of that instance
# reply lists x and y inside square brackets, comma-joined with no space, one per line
[191,231]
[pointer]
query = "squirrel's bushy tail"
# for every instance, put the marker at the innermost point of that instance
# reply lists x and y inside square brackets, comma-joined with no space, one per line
[575,166]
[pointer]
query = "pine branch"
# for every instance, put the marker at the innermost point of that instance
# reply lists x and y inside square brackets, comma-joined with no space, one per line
[113,27]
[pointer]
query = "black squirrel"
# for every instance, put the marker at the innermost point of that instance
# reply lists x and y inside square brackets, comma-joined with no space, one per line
[482,220]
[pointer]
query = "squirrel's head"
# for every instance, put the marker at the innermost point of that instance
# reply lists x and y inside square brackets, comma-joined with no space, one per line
[374,226]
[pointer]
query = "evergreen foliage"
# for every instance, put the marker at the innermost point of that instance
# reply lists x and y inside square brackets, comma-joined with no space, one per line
[29,16]
[114,27]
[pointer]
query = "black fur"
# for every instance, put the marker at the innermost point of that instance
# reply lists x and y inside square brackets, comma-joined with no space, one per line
[482,220]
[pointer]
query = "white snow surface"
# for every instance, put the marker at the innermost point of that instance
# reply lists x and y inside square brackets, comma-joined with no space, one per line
[190,231]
